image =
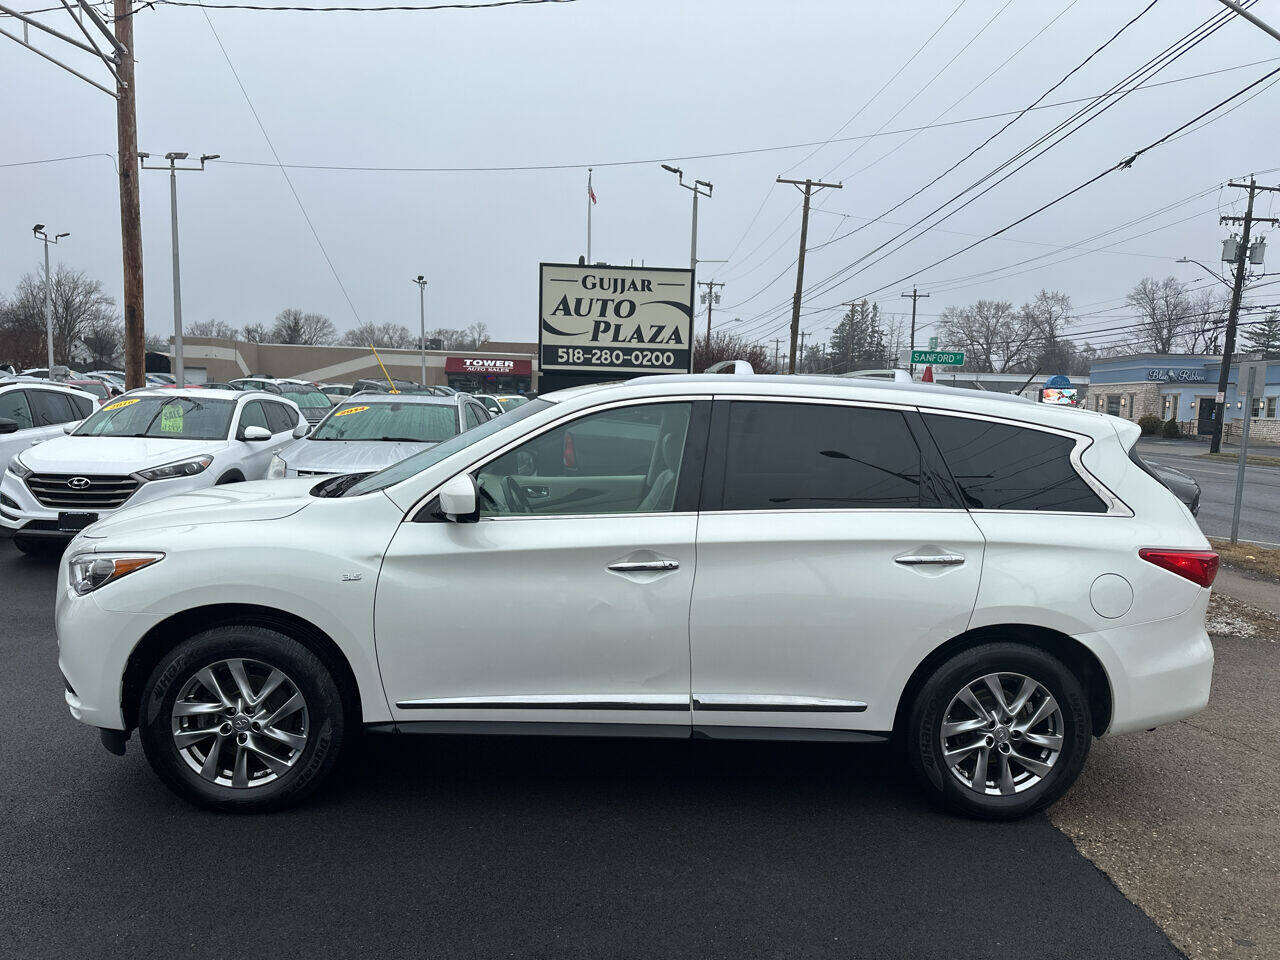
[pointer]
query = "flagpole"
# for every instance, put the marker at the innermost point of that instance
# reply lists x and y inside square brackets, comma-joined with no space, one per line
[589,216]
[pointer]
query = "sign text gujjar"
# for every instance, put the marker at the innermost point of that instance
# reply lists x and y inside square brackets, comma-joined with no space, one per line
[615,319]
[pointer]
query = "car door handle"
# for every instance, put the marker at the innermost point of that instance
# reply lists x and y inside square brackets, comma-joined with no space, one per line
[632,566]
[934,559]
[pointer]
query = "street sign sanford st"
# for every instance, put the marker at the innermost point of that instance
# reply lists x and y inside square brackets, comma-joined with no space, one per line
[939,358]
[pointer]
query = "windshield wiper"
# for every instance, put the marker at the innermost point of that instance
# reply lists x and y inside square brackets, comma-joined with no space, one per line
[403,440]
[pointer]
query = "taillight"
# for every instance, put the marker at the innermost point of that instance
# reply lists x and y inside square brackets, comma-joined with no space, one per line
[1198,566]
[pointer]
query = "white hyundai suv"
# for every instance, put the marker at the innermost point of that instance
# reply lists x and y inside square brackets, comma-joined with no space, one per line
[992,581]
[147,444]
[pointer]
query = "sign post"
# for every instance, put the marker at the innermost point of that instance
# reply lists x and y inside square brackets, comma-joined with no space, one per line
[1249,374]
[614,320]
[938,358]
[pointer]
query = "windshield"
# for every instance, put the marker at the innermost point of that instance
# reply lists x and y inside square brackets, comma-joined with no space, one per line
[306,396]
[421,461]
[173,418]
[416,422]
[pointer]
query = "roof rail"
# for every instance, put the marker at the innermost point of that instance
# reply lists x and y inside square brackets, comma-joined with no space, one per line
[739,367]
[894,376]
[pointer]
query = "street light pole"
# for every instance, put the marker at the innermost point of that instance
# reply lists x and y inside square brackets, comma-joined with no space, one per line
[1213,273]
[38,231]
[696,188]
[421,281]
[173,158]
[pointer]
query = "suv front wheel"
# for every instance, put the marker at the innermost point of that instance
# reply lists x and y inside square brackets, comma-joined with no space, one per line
[1000,731]
[241,718]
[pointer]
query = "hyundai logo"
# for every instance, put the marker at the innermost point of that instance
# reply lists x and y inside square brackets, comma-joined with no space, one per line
[79,483]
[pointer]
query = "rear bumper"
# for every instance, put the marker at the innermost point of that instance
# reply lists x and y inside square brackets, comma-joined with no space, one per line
[1159,672]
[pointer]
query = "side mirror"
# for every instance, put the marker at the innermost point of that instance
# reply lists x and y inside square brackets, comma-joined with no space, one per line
[70,427]
[458,499]
[255,434]
[301,430]
[8,426]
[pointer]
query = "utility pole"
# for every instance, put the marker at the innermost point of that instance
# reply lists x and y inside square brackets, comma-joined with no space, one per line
[1237,290]
[173,169]
[421,281]
[696,188]
[793,366]
[710,297]
[777,346]
[40,235]
[807,186]
[915,295]
[135,335]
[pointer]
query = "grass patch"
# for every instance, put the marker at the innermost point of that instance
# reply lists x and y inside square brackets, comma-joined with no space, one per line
[1256,459]
[1249,556]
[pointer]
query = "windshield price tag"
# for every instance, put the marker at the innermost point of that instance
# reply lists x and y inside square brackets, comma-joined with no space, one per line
[121,403]
[171,418]
[343,413]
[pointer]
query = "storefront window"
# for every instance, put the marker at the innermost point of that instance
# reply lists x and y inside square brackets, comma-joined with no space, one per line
[1113,404]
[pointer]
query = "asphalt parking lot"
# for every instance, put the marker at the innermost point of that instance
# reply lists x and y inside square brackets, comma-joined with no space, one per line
[464,847]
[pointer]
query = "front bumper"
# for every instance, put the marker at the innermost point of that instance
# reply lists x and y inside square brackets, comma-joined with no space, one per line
[21,513]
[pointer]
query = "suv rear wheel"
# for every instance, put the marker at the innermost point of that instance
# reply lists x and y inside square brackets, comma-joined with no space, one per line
[242,719]
[1000,731]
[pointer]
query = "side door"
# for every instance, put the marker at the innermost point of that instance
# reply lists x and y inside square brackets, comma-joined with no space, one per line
[567,601]
[15,406]
[833,554]
[255,456]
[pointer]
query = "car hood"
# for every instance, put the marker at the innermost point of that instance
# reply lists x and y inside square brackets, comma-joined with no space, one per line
[347,456]
[111,455]
[228,503]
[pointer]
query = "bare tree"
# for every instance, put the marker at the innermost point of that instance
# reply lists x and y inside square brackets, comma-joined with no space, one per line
[79,304]
[310,329]
[256,333]
[993,337]
[1162,307]
[103,342]
[1046,318]
[725,346]
[395,336]
[1205,321]
[211,328]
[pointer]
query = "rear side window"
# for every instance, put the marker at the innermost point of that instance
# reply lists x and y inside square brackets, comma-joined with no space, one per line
[1003,467]
[51,408]
[82,405]
[13,406]
[795,456]
[474,418]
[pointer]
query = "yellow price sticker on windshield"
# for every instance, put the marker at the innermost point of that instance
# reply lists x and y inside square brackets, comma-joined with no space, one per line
[121,403]
[343,413]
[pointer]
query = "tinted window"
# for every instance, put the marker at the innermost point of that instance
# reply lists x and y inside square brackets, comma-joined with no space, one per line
[82,405]
[474,419]
[1003,467]
[253,416]
[281,418]
[13,406]
[625,460]
[813,456]
[51,408]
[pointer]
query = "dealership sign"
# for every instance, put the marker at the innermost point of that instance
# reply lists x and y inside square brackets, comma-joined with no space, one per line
[615,319]
[488,365]
[1170,375]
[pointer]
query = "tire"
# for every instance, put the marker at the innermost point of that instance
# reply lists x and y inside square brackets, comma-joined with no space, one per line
[282,763]
[232,476]
[42,548]
[1016,789]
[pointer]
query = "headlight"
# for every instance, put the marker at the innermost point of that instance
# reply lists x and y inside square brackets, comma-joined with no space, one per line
[277,469]
[183,468]
[19,469]
[89,571]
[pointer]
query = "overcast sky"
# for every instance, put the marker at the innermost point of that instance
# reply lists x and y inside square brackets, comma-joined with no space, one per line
[601,81]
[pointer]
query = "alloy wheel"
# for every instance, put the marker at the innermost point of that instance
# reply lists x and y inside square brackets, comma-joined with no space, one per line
[1002,734]
[240,723]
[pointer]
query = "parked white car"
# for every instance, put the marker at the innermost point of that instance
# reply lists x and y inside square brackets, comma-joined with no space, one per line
[32,411]
[144,446]
[370,431]
[996,582]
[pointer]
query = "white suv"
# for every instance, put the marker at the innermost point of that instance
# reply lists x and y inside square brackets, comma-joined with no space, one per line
[147,444]
[994,581]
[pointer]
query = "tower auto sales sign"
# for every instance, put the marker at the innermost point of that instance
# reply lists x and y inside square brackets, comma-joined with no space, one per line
[615,319]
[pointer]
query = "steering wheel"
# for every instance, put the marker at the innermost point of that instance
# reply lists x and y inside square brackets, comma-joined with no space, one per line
[517,502]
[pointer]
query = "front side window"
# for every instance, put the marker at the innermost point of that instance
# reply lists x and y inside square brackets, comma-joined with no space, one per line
[51,408]
[253,416]
[623,460]
[999,466]
[172,417]
[802,456]
[474,419]
[282,419]
[14,406]
[406,421]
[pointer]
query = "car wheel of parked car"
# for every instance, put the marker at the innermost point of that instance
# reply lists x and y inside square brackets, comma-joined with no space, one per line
[231,477]
[1000,731]
[241,718]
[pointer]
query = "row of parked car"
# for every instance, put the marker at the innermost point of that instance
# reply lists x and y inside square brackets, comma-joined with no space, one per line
[73,454]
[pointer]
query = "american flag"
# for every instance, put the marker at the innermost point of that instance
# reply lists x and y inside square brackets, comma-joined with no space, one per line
[591,193]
